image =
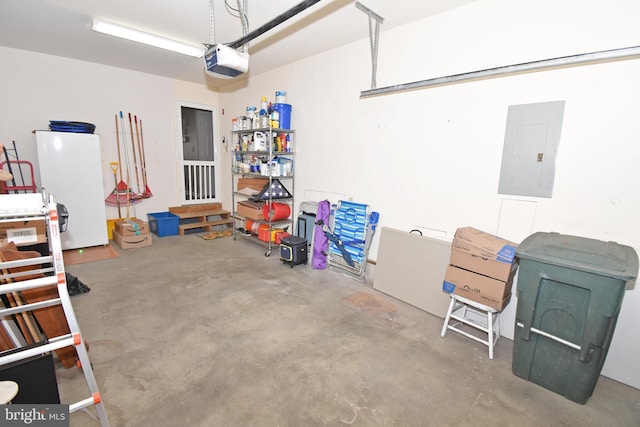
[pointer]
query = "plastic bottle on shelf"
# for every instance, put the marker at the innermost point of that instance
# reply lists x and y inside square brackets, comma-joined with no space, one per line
[246,140]
[251,113]
[263,121]
[281,97]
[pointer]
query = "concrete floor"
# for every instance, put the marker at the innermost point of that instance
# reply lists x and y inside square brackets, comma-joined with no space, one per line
[190,332]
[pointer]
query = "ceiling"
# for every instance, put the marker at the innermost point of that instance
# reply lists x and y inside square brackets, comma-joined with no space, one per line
[62,28]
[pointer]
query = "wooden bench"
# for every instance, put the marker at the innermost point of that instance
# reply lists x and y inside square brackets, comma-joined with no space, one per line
[203,214]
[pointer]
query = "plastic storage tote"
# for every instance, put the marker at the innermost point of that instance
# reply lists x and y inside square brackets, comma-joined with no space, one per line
[164,223]
[570,290]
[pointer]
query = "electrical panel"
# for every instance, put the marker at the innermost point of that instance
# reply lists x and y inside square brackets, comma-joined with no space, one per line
[531,143]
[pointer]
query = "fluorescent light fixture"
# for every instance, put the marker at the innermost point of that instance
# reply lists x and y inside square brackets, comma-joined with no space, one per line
[146,38]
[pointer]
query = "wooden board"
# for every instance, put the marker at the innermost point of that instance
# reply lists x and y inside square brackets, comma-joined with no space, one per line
[195,208]
[203,214]
[51,319]
[411,268]
[5,339]
[94,253]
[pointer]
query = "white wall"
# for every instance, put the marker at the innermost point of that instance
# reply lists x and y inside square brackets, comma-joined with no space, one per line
[431,158]
[37,88]
[404,147]
[426,158]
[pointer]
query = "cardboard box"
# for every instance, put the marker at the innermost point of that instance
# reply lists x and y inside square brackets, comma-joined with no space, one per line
[24,232]
[477,263]
[473,241]
[130,242]
[251,211]
[131,227]
[476,287]
[253,183]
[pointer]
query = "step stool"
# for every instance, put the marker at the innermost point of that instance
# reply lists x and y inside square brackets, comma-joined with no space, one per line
[475,315]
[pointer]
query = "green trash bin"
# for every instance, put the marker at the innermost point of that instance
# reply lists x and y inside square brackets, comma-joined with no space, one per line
[570,290]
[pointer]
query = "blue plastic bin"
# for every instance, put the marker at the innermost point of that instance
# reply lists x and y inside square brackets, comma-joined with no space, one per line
[163,223]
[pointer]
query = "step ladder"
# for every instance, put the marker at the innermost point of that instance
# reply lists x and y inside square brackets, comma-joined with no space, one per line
[33,207]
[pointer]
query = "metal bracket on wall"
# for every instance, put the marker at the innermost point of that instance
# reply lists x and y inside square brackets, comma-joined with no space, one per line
[374,33]
[541,65]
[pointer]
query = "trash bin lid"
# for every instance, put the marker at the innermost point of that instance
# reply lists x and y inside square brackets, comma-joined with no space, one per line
[604,258]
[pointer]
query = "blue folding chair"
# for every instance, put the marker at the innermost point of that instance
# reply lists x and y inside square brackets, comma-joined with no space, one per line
[353,227]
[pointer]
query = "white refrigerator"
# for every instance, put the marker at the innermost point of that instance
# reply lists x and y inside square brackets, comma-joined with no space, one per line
[71,169]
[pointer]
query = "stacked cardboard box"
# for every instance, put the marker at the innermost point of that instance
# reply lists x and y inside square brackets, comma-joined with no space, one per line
[24,232]
[132,233]
[251,210]
[481,268]
[252,183]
